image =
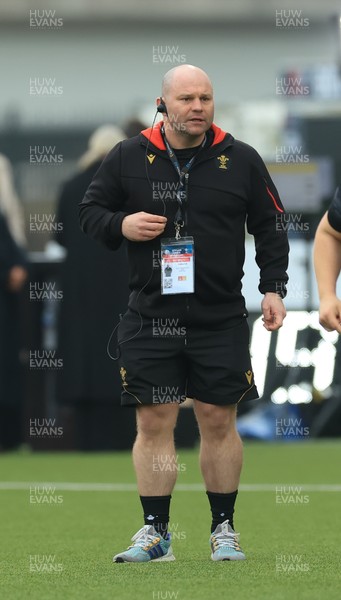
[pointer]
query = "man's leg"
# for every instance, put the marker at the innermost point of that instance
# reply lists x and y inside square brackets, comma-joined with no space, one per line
[155,465]
[155,462]
[221,457]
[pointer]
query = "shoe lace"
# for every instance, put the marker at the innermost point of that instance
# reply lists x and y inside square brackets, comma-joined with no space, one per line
[226,538]
[144,540]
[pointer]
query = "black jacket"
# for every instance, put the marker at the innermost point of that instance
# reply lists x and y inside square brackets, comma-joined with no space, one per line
[228,187]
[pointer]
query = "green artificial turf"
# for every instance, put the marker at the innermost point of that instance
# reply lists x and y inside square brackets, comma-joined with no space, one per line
[84,530]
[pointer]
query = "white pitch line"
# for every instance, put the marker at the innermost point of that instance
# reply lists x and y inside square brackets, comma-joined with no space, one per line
[180,487]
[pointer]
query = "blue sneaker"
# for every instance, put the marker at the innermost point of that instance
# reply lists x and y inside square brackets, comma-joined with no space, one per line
[225,543]
[148,545]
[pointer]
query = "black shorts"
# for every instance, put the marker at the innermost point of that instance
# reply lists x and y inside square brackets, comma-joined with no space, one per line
[163,362]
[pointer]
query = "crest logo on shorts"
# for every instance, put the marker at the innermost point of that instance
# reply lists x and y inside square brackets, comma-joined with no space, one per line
[248,375]
[223,162]
[123,373]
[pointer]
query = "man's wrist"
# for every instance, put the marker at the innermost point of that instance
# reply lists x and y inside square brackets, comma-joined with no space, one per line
[331,295]
[277,294]
[274,287]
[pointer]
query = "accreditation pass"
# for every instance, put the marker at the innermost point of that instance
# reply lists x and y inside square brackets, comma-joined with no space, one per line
[177,265]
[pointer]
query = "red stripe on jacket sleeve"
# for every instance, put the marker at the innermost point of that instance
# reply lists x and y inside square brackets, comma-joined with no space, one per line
[274,200]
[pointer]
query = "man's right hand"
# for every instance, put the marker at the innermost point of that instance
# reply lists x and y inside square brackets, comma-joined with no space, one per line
[142,226]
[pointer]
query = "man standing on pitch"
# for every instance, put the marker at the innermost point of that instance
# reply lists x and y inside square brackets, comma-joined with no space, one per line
[181,194]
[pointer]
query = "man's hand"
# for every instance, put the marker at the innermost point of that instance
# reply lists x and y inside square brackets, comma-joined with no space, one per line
[142,226]
[273,311]
[330,313]
[16,279]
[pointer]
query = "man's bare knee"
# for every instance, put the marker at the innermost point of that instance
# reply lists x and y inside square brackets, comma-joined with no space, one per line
[214,420]
[153,421]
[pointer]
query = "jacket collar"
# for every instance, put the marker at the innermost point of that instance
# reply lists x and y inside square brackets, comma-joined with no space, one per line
[153,135]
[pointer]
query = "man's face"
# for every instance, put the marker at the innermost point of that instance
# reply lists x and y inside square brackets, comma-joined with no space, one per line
[190,106]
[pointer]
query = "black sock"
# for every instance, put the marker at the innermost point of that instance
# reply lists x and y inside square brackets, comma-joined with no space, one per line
[222,507]
[156,512]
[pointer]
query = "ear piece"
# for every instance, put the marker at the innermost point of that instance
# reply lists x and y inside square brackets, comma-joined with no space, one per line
[162,108]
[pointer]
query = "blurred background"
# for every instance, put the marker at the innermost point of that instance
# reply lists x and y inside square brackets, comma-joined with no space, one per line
[76,78]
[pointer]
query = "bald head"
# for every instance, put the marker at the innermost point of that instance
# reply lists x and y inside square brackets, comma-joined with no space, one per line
[184,75]
[188,98]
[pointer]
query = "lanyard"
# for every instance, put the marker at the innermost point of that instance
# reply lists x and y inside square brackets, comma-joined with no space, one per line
[182,193]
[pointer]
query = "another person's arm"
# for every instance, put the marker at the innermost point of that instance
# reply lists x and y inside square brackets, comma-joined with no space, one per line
[13,272]
[327,261]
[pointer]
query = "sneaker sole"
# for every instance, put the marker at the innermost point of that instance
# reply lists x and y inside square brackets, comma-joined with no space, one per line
[167,558]
[228,559]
